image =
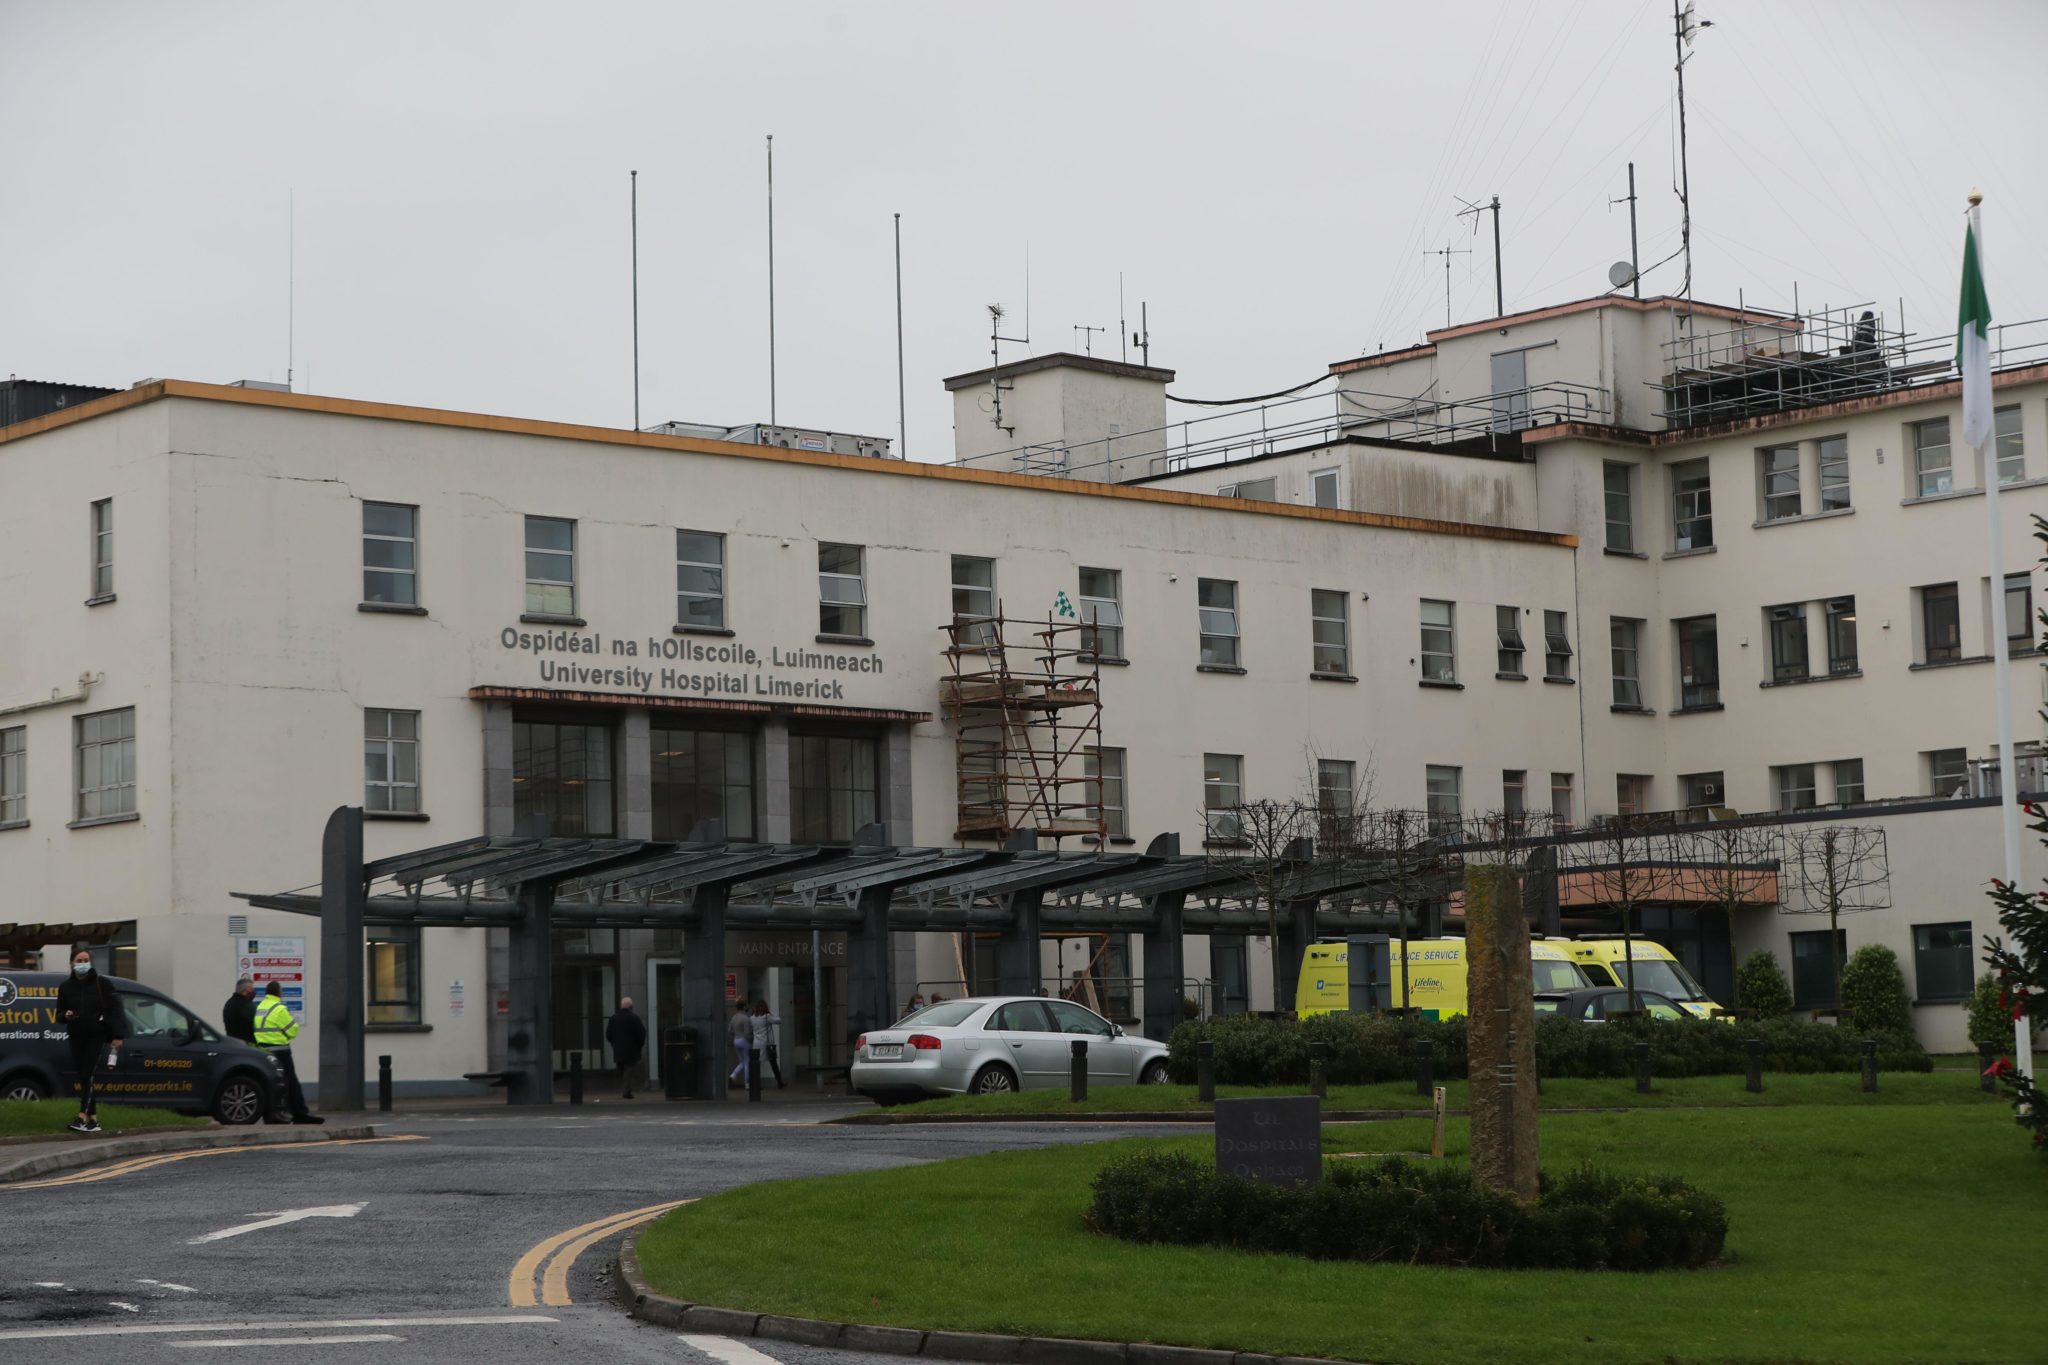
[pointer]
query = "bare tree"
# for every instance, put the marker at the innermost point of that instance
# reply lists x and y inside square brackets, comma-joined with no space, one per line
[1265,842]
[1838,870]
[1625,862]
[1735,863]
[1417,858]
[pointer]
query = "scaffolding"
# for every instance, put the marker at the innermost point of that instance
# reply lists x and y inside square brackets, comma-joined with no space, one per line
[1025,701]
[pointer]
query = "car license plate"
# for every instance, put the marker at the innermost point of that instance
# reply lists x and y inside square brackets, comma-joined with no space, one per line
[879,1050]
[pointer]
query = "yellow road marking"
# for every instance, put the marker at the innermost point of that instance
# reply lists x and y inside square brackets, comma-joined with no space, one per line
[142,1163]
[564,1248]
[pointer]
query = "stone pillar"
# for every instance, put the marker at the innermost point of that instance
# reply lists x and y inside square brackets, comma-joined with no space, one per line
[771,781]
[1017,951]
[1297,932]
[636,809]
[1165,969]
[530,1039]
[342,899]
[705,1009]
[1501,1037]
[871,991]
[498,819]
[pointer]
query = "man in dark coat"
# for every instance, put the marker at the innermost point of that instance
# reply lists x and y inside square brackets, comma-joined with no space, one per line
[238,1016]
[627,1034]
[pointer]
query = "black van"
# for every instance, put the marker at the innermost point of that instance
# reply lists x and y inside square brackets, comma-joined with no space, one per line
[172,1059]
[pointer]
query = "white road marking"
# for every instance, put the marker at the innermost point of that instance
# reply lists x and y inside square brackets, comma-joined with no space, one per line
[343,1340]
[166,1284]
[273,1220]
[48,1284]
[124,1307]
[730,1351]
[186,1328]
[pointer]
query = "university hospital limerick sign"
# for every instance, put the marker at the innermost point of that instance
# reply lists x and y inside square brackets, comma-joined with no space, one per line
[675,665]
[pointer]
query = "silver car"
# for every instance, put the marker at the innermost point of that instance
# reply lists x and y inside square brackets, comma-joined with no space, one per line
[996,1044]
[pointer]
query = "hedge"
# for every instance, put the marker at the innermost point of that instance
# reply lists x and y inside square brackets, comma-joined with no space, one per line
[1365,1048]
[1395,1210]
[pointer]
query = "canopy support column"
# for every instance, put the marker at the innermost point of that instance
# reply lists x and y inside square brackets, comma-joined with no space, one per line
[343,894]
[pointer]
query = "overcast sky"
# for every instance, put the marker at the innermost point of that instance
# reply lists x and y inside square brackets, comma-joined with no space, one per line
[1267,176]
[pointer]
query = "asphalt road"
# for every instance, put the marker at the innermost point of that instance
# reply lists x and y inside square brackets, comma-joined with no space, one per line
[107,1269]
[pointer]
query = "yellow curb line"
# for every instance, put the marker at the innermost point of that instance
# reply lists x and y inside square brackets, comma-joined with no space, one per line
[564,1248]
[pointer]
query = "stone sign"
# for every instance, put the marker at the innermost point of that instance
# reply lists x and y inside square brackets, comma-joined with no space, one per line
[1277,1142]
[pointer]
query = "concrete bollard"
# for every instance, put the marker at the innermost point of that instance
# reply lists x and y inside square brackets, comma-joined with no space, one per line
[1319,1070]
[1205,1070]
[1754,1080]
[1077,1071]
[1869,1046]
[1987,1053]
[384,1083]
[576,1077]
[1425,1066]
[1642,1051]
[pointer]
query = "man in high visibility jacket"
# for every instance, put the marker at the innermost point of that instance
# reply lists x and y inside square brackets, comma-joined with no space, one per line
[275,1029]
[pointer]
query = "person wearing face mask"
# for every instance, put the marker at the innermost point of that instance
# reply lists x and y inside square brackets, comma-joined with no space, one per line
[93,1018]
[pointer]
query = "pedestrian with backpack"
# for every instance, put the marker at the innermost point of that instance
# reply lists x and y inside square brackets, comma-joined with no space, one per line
[96,1027]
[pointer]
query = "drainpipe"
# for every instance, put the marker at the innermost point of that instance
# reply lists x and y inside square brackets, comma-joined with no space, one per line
[86,681]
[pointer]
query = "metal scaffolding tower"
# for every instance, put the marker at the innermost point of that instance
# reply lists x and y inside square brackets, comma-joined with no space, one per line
[1025,701]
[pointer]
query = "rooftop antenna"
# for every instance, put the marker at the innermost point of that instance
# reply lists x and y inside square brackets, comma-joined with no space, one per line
[1472,210]
[1123,326]
[1142,338]
[1447,251]
[995,355]
[1087,335]
[1634,277]
[902,412]
[291,283]
[634,177]
[1027,298]
[1685,24]
[771,279]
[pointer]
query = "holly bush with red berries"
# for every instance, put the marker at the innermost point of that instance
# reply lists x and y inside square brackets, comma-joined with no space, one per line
[2020,963]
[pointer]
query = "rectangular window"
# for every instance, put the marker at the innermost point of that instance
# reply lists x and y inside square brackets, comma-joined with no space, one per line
[1510,390]
[974,599]
[1702,790]
[1692,506]
[1561,800]
[13,774]
[1944,963]
[1941,623]
[1514,792]
[1625,639]
[1814,955]
[1508,626]
[1794,785]
[391,761]
[1948,771]
[1842,635]
[1336,798]
[699,775]
[561,779]
[1778,469]
[106,763]
[1105,770]
[1222,795]
[1631,793]
[1439,641]
[2008,439]
[700,579]
[391,567]
[1931,458]
[834,787]
[550,566]
[1834,473]
[1699,663]
[1788,641]
[1216,600]
[1102,613]
[842,591]
[391,975]
[1325,487]
[1446,805]
[2019,610]
[1256,490]
[1617,483]
[1330,625]
[1848,782]
[103,548]
[1557,647]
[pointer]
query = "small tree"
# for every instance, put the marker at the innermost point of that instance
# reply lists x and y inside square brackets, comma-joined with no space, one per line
[1837,870]
[1988,1019]
[1626,863]
[2021,970]
[1760,988]
[1874,991]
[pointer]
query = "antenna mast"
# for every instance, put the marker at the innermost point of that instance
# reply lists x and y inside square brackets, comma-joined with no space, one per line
[291,283]
[902,417]
[1472,210]
[771,279]
[1087,335]
[1123,326]
[995,357]
[1635,260]
[1142,339]
[1684,25]
[634,176]
[1447,251]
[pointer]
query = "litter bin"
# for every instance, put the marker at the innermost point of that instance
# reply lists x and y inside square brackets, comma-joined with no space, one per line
[678,1061]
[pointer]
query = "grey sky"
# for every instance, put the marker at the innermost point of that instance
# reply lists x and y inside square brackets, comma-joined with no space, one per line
[1266,176]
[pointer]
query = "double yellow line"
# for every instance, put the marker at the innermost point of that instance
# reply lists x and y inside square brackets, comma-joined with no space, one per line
[94,1175]
[559,1252]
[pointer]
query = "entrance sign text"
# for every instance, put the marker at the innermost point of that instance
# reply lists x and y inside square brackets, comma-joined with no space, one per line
[726,669]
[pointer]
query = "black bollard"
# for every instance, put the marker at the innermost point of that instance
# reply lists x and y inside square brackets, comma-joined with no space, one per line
[754,1057]
[1425,1066]
[576,1077]
[1987,1053]
[1205,1070]
[1755,1080]
[1642,1068]
[1319,1070]
[1077,1071]
[1869,1066]
[384,1082]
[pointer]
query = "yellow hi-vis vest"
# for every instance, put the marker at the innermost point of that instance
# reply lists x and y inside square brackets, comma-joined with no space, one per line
[275,1026]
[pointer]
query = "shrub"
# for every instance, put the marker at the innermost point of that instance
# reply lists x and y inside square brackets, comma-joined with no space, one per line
[1394,1210]
[1874,991]
[1990,1020]
[1760,988]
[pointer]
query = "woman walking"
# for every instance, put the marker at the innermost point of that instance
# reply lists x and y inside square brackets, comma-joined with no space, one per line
[93,1018]
[765,1023]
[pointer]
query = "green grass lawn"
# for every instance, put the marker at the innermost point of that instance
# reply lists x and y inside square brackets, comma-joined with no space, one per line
[1832,1088]
[30,1118]
[1909,1232]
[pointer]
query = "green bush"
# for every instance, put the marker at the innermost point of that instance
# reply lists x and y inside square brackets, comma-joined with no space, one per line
[1990,1020]
[1760,988]
[1394,1210]
[1874,991]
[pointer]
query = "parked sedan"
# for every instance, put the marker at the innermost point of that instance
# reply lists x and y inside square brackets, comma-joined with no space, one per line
[992,1045]
[1594,1004]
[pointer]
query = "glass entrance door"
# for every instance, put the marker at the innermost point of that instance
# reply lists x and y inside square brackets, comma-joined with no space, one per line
[584,1000]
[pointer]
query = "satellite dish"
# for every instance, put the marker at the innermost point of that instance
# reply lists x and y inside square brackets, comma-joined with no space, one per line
[1620,273]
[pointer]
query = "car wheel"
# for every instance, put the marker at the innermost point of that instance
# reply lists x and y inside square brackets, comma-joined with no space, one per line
[23,1088]
[995,1080]
[1154,1073]
[238,1101]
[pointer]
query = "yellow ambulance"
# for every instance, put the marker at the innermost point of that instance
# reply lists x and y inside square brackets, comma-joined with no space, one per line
[1606,961]
[1436,975]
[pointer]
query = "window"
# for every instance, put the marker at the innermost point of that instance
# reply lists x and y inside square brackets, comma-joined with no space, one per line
[1625,638]
[1106,769]
[1557,647]
[1217,611]
[1948,771]
[974,599]
[1931,459]
[1508,625]
[1692,506]
[1068,1017]
[842,591]
[1794,784]
[561,779]
[1330,626]
[550,567]
[1324,487]
[1778,467]
[103,548]
[1941,623]
[1514,793]
[700,579]
[1842,635]
[391,975]
[391,570]
[1336,798]
[1703,789]
[391,761]
[1222,794]
[834,781]
[1439,641]
[1631,794]
[1788,642]
[1561,800]
[1943,961]
[1699,664]
[701,775]
[1446,807]
[1848,782]
[1617,482]
[106,764]
[1814,955]
[2019,610]
[1254,490]
[13,774]
[1510,390]
[1834,473]
[1102,613]
[2008,439]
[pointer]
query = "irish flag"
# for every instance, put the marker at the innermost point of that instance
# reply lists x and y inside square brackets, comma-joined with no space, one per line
[1973,339]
